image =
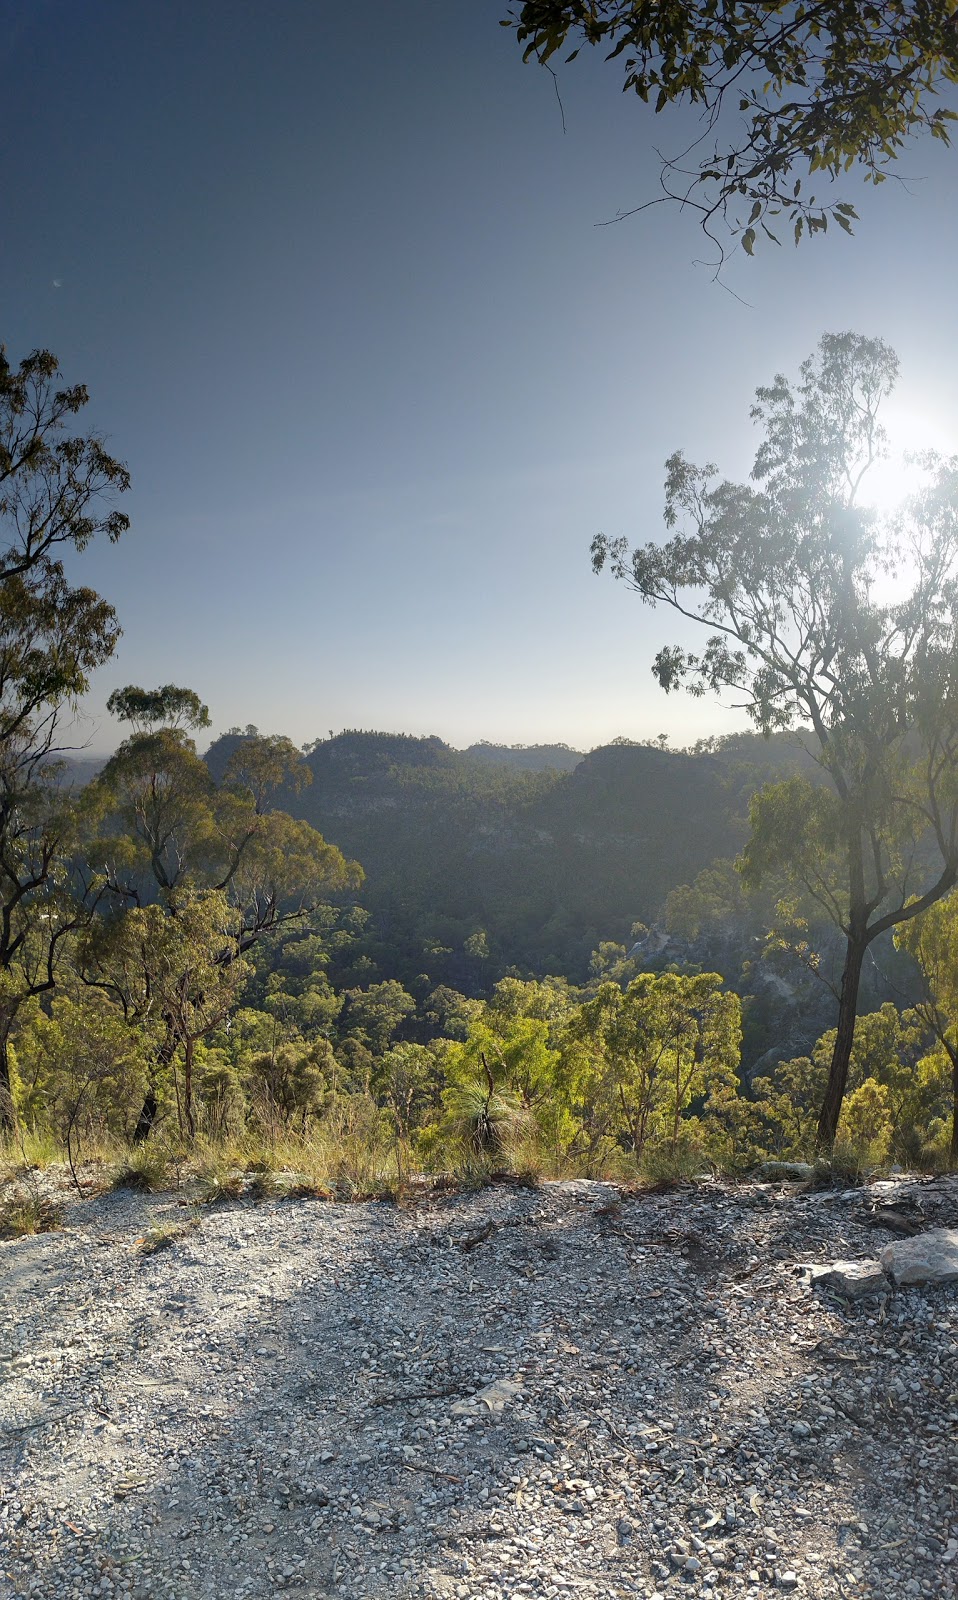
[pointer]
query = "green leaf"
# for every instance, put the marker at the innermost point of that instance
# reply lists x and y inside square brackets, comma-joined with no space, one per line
[748,241]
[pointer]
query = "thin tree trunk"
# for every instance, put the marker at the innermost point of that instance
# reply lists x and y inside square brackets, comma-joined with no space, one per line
[953,1160]
[8,1111]
[188,1044]
[844,1039]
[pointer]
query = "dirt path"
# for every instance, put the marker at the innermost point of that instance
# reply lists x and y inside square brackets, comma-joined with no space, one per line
[511,1393]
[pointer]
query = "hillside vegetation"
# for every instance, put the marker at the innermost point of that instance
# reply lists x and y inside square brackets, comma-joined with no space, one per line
[378,956]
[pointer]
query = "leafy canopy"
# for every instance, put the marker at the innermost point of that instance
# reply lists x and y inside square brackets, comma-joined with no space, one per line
[168,707]
[55,487]
[784,90]
[56,493]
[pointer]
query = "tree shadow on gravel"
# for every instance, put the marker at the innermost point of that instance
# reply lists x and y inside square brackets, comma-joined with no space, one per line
[513,1388]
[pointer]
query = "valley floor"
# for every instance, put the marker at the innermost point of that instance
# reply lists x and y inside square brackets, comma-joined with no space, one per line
[548,1392]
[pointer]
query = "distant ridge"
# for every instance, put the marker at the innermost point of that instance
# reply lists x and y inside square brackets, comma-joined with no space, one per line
[526,757]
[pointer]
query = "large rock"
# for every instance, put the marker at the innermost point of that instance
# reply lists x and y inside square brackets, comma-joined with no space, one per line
[853,1279]
[930,1257]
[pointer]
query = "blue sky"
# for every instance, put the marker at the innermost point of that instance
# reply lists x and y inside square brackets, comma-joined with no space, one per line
[333,277]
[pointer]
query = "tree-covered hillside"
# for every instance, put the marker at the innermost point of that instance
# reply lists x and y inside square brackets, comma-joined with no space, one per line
[547,864]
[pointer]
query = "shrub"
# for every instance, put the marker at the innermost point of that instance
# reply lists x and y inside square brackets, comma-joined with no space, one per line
[29,1214]
[147,1167]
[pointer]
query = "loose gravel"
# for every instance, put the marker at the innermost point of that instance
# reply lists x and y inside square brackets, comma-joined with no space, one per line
[550,1392]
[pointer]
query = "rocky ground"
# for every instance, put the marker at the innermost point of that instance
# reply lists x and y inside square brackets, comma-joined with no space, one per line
[550,1392]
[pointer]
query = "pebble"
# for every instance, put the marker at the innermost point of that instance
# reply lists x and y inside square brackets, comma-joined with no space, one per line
[303,1398]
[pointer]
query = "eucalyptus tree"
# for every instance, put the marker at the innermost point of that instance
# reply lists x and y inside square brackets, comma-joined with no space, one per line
[827,616]
[785,93]
[56,492]
[162,833]
[667,1039]
[183,972]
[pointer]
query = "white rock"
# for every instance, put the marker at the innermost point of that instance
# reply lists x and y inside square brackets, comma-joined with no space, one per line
[495,1397]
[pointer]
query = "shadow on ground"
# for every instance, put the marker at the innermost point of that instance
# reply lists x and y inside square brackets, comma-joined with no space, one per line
[511,1393]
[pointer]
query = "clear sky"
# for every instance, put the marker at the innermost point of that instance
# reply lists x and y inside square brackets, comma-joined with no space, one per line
[333,277]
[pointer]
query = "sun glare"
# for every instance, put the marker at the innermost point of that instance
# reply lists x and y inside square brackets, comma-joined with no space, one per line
[891,481]
[895,477]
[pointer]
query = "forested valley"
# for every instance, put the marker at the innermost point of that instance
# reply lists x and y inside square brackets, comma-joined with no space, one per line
[378,956]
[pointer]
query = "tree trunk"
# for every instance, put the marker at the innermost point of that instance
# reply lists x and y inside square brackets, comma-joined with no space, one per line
[844,1039]
[151,1104]
[8,1111]
[147,1116]
[953,1161]
[188,1044]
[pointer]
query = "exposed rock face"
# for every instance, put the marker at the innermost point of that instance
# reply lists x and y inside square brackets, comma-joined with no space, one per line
[928,1258]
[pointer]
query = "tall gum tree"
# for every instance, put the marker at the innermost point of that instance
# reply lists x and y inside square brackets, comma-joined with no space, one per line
[826,616]
[56,492]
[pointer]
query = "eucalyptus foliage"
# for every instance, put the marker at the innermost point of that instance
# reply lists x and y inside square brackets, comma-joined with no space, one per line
[825,616]
[57,488]
[787,93]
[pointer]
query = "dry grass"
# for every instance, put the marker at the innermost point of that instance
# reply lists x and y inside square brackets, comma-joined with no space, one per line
[166,1234]
[352,1156]
[26,1214]
[146,1167]
[220,1181]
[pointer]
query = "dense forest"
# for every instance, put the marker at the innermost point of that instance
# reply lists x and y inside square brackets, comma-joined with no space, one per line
[636,961]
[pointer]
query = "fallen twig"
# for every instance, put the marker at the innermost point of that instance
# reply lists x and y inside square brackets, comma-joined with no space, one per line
[435,1472]
[42,1422]
[423,1394]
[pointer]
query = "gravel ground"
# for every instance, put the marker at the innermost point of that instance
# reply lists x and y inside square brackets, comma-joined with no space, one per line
[548,1392]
